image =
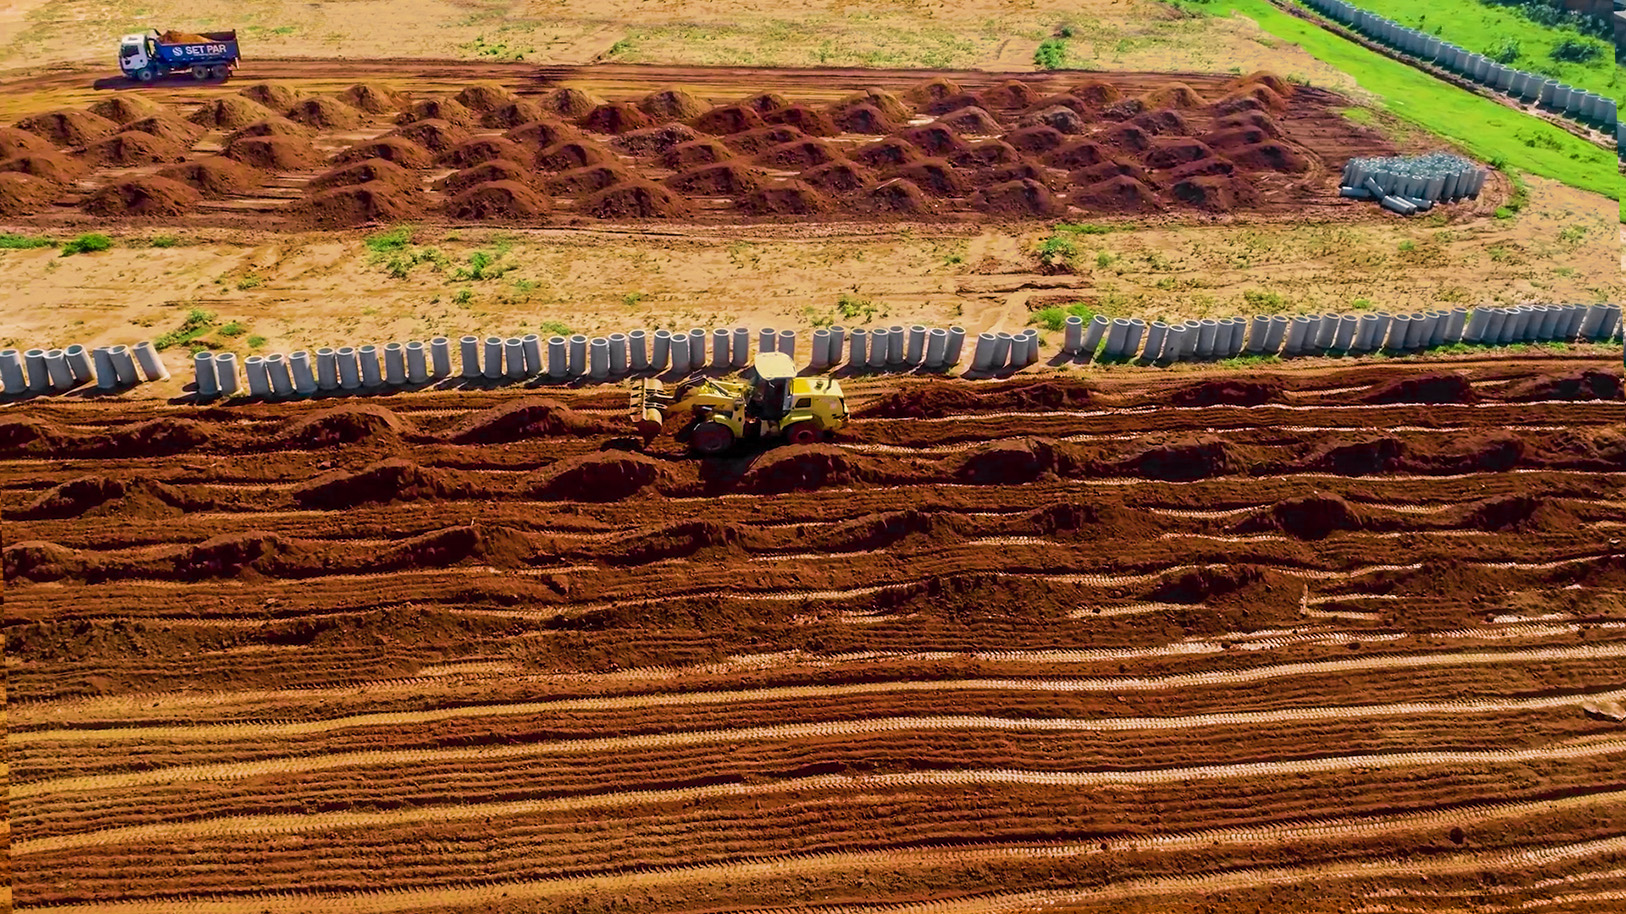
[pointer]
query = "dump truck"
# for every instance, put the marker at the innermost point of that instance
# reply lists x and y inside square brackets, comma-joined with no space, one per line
[207,55]
[768,402]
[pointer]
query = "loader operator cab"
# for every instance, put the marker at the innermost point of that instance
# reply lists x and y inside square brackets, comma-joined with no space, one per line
[772,397]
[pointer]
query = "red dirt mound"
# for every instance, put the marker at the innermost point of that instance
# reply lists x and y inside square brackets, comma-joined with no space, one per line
[1096,94]
[636,199]
[923,401]
[839,177]
[888,153]
[324,113]
[1360,457]
[483,97]
[1021,171]
[1254,593]
[271,95]
[1450,387]
[433,134]
[1255,119]
[15,142]
[1173,151]
[789,198]
[879,531]
[1127,137]
[752,142]
[938,87]
[514,113]
[1018,198]
[1034,140]
[230,113]
[142,196]
[24,195]
[1182,458]
[508,200]
[1587,384]
[574,154]
[765,103]
[1214,193]
[1071,102]
[1163,122]
[672,105]
[371,98]
[601,477]
[216,176]
[275,153]
[1059,117]
[1019,460]
[864,119]
[684,539]
[67,127]
[888,104]
[397,149]
[1175,95]
[36,561]
[1077,154]
[588,180]
[379,483]
[699,152]
[484,149]
[898,195]
[132,148]
[275,125]
[167,128]
[542,134]
[986,154]
[1311,517]
[362,423]
[1111,168]
[1094,521]
[654,141]
[123,108]
[935,177]
[101,496]
[351,205]
[1122,194]
[1270,156]
[725,179]
[615,117]
[381,171]
[935,140]
[799,154]
[972,121]
[1262,78]
[483,173]
[1255,98]
[1213,165]
[27,435]
[488,545]
[529,417]
[810,121]
[444,110]
[726,120]
[570,103]
[47,166]
[1228,392]
[1012,93]
[1123,110]
[1516,514]
[799,468]
[1235,138]
[949,104]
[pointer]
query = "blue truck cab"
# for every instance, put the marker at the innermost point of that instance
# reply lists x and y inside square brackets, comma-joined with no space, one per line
[145,58]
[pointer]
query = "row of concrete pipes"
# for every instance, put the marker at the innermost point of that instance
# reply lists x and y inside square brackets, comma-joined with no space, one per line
[1531,88]
[45,371]
[1224,338]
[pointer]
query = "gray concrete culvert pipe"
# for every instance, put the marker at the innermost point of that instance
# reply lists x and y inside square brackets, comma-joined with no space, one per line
[1547,328]
[879,346]
[1174,343]
[1239,336]
[1002,350]
[697,349]
[349,368]
[491,359]
[102,361]
[1073,330]
[1495,325]
[39,378]
[637,349]
[838,344]
[1156,333]
[767,338]
[956,346]
[1133,337]
[282,383]
[79,364]
[1207,334]
[1276,334]
[1399,329]
[1474,328]
[327,369]
[818,354]
[936,348]
[915,352]
[1297,329]
[680,354]
[858,349]
[1093,332]
[440,357]
[1590,322]
[982,358]
[469,349]
[13,382]
[513,363]
[226,373]
[1610,324]
[530,348]
[304,377]
[1574,316]
[147,359]
[259,378]
[896,340]
[1417,330]
[558,358]
[576,360]
[372,376]
[1258,331]
[598,358]
[124,366]
[787,343]
[1439,323]
[394,364]
[1327,331]
[1456,320]
[661,357]
[740,352]
[57,374]
[1344,337]
[1193,340]
[720,339]
[618,354]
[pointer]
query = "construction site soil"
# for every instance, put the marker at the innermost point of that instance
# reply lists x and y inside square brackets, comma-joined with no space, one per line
[1189,144]
[1302,640]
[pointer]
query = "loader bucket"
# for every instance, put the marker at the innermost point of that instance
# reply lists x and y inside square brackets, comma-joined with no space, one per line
[647,415]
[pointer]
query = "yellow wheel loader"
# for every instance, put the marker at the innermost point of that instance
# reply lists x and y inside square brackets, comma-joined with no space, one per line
[768,402]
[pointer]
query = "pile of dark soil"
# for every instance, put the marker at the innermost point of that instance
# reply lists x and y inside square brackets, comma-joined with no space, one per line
[615,117]
[787,198]
[574,154]
[529,417]
[799,154]
[1270,156]
[898,195]
[101,496]
[123,108]
[1235,138]
[49,166]
[1022,198]
[276,125]
[1019,460]
[1255,98]
[444,110]
[1182,458]
[881,100]
[1213,165]
[654,141]
[490,545]
[386,481]
[24,195]
[934,89]
[1019,171]
[1122,194]
[1077,154]
[1262,78]
[764,103]
[514,113]
[67,127]
[484,149]
[971,121]
[727,120]
[600,477]
[935,177]
[1517,514]
[725,179]
[351,205]
[809,120]
[1012,93]
[1174,151]
[149,196]
[1085,520]
[839,177]
[122,150]
[987,154]
[168,128]
[344,425]
[499,200]
[672,105]
[1587,384]
[433,134]
[1096,94]
[1128,138]
[935,140]
[888,153]
[1311,517]
[381,171]
[1176,95]
[754,141]
[924,401]
[949,104]
[1449,387]
[483,173]
[371,98]
[215,176]
[1214,193]
[483,97]
[1255,119]
[800,468]
[1059,117]
[588,180]
[635,199]
[14,142]
[271,95]
[863,119]
[1362,457]
[1111,168]
[1034,140]
[700,152]
[230,112]
[275,153]
[39,561]
[1123,110]
[1163,122]
[685,539]
[396,149]
[570,103]
[324,113]
[1229,392]
[541,134]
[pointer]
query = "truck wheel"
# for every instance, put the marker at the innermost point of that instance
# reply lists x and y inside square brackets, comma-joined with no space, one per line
[145,75]
[200,73]
[803,433]
[710,438]
[218,72]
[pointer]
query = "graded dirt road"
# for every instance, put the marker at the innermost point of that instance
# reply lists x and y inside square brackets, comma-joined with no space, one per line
[1345,639]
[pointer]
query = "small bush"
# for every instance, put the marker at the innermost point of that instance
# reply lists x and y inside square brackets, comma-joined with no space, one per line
[463,297]
[852,308]
[86,244]
[1572,234]
[393,240]
[1055,317]
[631,299]
[1084,228]
[163,241]
[554,328]
[1057,251]
[10,242]
[1104,259]
[1504,51]
[1407,246]
[1576,50]
[250,281]
[197,323]
[1270,302]
[256,342]
[1051,54]
[233,329]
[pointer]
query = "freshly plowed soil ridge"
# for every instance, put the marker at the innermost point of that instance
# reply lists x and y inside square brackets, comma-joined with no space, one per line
[53,167]
[275,153]
[22,194]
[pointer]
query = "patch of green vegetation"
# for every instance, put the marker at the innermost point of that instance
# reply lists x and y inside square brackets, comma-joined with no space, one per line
[249,281]
[631,299]
[1265,302]
[554,328]
[1051,54]
[197,323]
[395,239]
[852,308]
[1505,50]
[256,342]
[463,296]
[163,241]
[234,329]
[1055,317]
[1246,361]
[87,243]
[1084,228]
[1361,304]
[10,242]
[1572,234]
[1455,349]
[484,265]
[1407,246]
[1104,259]
[1362,116]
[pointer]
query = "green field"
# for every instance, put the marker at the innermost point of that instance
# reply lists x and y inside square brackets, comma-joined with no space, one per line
[1490,132]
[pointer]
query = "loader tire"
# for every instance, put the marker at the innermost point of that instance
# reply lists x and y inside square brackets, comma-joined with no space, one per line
[803,433]
[710,438]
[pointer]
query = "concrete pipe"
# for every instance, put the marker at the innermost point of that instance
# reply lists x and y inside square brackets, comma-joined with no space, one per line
[857,349]
[1504,78]
[739,352]
[531,347]
[259,379]
[766,338]
[1365,328]
[1030,352]
[1532,327]
[371,375]
[13,382]
[598,358]
[1548,87]
[282,382]
[1344,337]
[1133,336]
[661,357]
[1417,331]
[327,369]
[1207,334]
[1610,323]
[226,373]
[1174,344]
[1399,329]
[818,357]
[204,376]
[697,349]
[1474,329]
[1117,333]
[1277,333]
[394,364]
[1002,350]
[79,363]
[39,379]
[879,346]
[719,349]
[1513,326]
[1327,332]
[101,359]
[936,347]
[1093,332]
[1456,320]
[56,370]
[417,364]
[915,351]
[838,342]
[618,354]
[1074,334]
[1551,315]
[956,345]
[1156,333]
[1258,330]
[1440,322]
[982,358]
[787,343]
[1573,316]
[152,366]
[469,351]
[1525,324]
[1561,98]
[1293,343]
[1312,332]
[491,358]
[1587,331]
[1380,332]
[897,340]
[1239,336]
[558,360]
[680,354]
[1495,323]
[304,376]
[637,349]
[440,357]
[513,350]
[349,368]
[576,360]
[124,366]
